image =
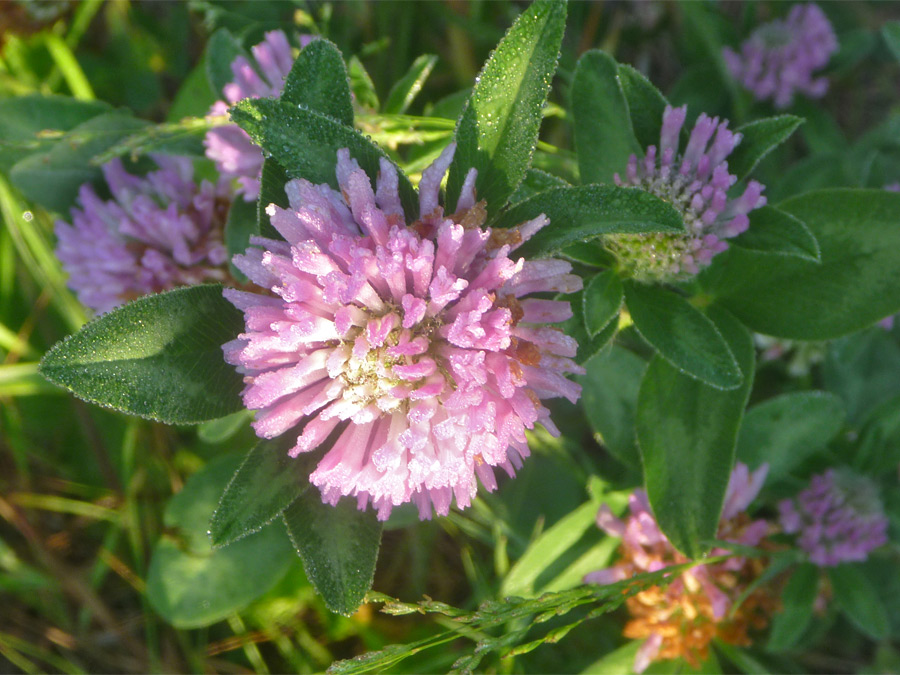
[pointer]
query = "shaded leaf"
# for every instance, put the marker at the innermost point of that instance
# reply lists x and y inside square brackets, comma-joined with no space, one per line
[682,334]
[855,285]
[797,599]
[191,585]
[604,139]
[361,85]
[338,546]
[221,50]
[602,300]
[27,123]
[686,433]
[272,180]
[860,600]
[574,327]
[498,129]
[241,225]
[786,430]
[891,34]
[159,357]
[609,397]
[52,178]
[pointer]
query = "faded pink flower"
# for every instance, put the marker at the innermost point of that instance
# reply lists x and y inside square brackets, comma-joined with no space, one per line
[839,518]
[229,146]
[779,58]
[157,232]
[416,345]
[680,620]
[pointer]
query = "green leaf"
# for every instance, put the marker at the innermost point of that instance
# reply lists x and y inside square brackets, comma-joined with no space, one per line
[267,482]
[27,123]
[797,598]
[318,80]
[583,212]
[159,357]
[645,105]
[786,430]
[272,180]
[686,433]
[195,95]
[604,139]
[241,225]
[361,85]
[574,327]
[864,370]
[602,300]
[220,430]
[498,129]
[682,334]
[547,548]
[191,585]
[774,231]
[305,144]
[609,398]
[590,253]
[535,181]
[221,50]
[407,87]
[338,546]
[760,137]
[855,285]
[52,178]
[891,34]
[860,600]
[617,662]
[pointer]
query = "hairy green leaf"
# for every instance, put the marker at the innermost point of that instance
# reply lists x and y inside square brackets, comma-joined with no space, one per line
[760,137]
[602,300]
[583,212]
[305,144]
[338,545]
[645,105]
[774,231]
[498,129]
[266,483]
[318,80]
[604,139]
[159,357]
[682,334]
[686,433]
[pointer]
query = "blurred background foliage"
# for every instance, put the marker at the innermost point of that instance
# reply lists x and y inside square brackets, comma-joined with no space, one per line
[86,494]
